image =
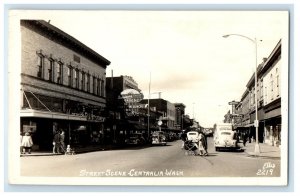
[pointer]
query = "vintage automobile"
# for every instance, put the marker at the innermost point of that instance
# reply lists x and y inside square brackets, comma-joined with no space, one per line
[159,138]
[193,136]
[226,139]
[135,139]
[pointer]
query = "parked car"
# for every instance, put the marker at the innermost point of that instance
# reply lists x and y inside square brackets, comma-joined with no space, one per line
[159,138]
[135,139]
[226,139]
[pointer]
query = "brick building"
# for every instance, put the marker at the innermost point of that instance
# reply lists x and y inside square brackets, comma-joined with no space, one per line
[62,86]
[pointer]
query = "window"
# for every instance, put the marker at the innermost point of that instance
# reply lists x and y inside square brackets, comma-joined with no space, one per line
[261,89]
[40,72]
[271,85]
[51,70]
[77,78]
[59,72]
[70,76]
[88,83]
[102,88]
[98,86]
[76,58]
[94,85]
[83,80]
[266,95]
[277,82]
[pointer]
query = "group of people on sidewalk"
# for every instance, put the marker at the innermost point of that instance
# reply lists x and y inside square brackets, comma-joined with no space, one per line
[201,144]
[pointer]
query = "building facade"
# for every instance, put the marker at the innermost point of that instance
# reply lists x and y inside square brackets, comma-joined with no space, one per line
[124,112]
[168,111]
[268,101]
[271,74]
[179,115]
[62,86]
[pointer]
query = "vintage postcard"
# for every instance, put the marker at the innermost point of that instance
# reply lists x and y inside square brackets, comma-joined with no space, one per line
[148,97]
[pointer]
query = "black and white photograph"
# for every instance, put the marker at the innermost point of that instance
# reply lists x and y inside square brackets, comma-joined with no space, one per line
[148,97]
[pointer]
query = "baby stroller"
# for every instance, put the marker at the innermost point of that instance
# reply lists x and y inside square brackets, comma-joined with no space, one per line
[190,147]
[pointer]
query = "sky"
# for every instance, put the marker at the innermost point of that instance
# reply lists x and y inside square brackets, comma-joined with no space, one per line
[183,53]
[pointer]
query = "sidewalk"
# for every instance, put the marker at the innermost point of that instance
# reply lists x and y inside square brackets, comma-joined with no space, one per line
[266,151]
[78,150]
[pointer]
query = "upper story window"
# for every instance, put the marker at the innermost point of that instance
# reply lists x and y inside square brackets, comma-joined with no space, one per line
[261,89]
[266,95]
[271,85]
[77,78]
[76,58]
[277,81]
[59,78]
[40,64]
[83,80]
[102,88]
[88,78]
[51,70]
[94,85]
[70,76]
[98,86]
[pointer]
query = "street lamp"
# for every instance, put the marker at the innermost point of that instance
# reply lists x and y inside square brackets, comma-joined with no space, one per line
[254,41]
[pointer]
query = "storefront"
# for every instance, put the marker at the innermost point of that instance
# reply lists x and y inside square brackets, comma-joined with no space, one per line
[79,131]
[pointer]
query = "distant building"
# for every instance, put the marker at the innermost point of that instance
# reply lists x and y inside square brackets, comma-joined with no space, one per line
[62,86]
[179,115]
[167,109]
[125,113]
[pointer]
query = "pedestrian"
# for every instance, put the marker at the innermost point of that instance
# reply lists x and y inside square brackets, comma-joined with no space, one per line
[201,146]
[245,138]
[62,141]
[183,138]
[56,143]
[27,143]
[203,141]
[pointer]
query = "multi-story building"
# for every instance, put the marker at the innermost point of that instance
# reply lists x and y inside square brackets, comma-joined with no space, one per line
[125,113]
[179,115]
[62,86]
[268,100]
[167,109]
[271,73]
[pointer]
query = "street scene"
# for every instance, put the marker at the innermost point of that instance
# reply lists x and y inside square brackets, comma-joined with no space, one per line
[151,94]
[156,161]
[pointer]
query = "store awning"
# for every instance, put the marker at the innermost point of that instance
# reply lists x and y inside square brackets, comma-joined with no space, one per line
[52,115]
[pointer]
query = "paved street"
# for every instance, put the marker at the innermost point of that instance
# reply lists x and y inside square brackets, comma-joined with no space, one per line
[164,161]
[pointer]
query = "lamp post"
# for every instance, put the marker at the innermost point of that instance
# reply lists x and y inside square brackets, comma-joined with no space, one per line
[254,41]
